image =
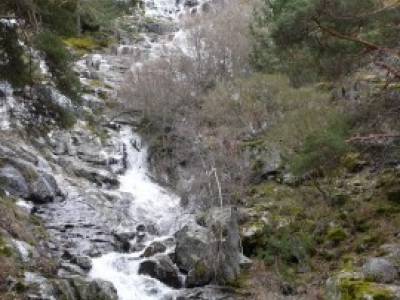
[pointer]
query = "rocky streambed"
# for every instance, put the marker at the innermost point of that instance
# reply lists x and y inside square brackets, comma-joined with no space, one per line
[114,232]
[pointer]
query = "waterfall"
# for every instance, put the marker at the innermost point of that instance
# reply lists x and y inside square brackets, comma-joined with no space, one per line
[151,204]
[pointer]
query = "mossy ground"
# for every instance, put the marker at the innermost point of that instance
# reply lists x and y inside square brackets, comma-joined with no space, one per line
[328,235]
[17,224]
[356,289]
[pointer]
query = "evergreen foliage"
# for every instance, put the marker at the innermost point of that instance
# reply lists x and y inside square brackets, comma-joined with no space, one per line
[312,38]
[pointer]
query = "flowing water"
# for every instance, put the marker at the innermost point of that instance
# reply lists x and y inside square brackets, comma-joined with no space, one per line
[151,203]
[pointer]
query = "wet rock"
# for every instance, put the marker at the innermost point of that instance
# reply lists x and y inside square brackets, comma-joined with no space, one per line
[70,269]
[123,240]
[44,189]
[154,248]
[161,268]
[93,61]
[191,3]
[380,270]
[101,290]
[159,28]
[83,262]
[141,228]
[98,176]
[79,289]
[13,181]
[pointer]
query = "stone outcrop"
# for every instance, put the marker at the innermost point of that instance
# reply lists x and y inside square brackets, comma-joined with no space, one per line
[162,268]
[210,253]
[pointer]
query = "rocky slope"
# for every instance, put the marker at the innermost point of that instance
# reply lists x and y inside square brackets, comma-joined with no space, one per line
[72,199]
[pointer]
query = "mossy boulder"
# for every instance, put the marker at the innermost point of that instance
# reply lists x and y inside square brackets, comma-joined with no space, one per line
[200,275]
[380,270]
[353,286]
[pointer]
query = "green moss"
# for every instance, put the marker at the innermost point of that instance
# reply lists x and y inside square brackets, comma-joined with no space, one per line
[5,250]
[356,289]
[82,44]
[352,162]
[336,235]
[242,281]
[200,269]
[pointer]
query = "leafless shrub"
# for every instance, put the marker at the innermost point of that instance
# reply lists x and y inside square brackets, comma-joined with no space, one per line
[171,92]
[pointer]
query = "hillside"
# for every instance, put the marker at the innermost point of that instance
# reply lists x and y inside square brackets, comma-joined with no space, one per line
[199,150]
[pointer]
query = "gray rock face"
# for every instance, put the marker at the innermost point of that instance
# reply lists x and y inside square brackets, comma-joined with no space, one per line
[123,240]
[78,289]
[13,181]
[191,246]
[224,224]
[98,176]
[210,252]
[161,268]
[44,189]
[83,262]
[38,187]
[380,270]
[100,290]
[154,248]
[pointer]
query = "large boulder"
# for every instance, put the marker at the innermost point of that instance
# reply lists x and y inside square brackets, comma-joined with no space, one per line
[44,189]
[210,252]
[225,229]
[79,289]
[22,180]
[162,268]
[191,246]
[100,290]
[353,285]
[154,248]
[380,270]
[12,180]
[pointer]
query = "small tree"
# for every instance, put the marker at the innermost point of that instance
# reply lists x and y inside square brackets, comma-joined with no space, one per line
[310,38]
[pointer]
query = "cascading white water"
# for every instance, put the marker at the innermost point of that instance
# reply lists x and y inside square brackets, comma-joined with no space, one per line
[151,204]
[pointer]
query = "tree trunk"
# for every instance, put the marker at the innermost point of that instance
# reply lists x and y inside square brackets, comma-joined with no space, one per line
[78,18]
